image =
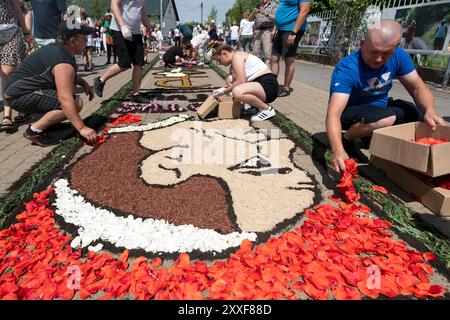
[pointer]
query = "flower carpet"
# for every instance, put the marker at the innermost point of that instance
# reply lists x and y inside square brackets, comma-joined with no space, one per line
[132,219]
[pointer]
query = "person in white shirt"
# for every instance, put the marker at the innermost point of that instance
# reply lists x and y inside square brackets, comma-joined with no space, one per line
[252,81]
[199,43]
[160,38]
[234,35]
[177,37]
[246,33]
[126,32]
[87,54]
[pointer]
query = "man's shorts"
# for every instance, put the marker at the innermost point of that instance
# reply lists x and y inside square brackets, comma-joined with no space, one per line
[280,47]
[38,102]
[403,110]
[129,52]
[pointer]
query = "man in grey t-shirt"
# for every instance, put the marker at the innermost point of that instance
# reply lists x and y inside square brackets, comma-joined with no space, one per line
[126,32]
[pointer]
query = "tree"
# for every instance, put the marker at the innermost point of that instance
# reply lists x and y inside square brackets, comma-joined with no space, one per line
[349,14]
[212,15]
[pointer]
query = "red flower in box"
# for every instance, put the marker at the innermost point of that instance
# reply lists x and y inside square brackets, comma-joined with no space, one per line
[431,141]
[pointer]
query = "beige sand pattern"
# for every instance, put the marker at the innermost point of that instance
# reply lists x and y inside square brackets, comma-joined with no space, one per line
[265,186]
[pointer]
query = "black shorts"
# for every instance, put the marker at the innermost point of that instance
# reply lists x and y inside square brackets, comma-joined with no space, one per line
[270,85]
[403,110]
[129,52]
[280,47]
[38,102]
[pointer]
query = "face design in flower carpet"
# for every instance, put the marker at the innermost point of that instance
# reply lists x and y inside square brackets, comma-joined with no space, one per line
[265,186]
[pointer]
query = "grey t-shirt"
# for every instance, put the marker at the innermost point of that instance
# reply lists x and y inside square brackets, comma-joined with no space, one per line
[47,15]
[131,14]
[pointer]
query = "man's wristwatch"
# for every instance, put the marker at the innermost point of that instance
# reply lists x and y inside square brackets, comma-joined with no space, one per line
[293,33]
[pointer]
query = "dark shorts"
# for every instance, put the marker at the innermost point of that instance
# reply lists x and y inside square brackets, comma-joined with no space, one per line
[270,85]
[37,102]
[233,42]
[280,47]
[129,52]
[404,111]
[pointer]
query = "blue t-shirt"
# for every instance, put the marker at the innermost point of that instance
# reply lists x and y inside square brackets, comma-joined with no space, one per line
[287,13]
[366,85]
[441,32]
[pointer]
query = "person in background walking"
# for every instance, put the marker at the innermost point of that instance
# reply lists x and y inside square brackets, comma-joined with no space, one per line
[246,33]
[108,41]
[290,21]
[234,35]
[264,27]
[440,34]
[125,26]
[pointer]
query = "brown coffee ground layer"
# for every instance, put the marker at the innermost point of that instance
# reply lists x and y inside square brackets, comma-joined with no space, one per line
[109,177]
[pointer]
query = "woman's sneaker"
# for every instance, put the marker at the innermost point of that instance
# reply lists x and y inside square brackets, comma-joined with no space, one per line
[264,115]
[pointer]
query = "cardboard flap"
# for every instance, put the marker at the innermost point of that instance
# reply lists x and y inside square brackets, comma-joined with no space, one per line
[209,105]
[405,131]
[396,146]
[424,131]
[440,159]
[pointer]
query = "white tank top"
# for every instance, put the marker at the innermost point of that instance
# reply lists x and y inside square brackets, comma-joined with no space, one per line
[253,65]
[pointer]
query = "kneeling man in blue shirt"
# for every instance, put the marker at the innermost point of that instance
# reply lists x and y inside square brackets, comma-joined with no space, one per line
[360,84]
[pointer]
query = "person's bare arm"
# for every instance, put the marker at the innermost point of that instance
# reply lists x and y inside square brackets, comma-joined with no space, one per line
[336,106]
[115,9]
[303,13]
[86,87]
[238,66]
[145,21]
[65,78]
[19,15]
[423,97]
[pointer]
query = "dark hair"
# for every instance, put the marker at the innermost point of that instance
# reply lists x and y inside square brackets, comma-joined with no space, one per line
[219,47]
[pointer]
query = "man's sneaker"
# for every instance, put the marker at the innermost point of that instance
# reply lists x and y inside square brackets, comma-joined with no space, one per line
[98,87]
[264,115]
[41,139]
[139,99]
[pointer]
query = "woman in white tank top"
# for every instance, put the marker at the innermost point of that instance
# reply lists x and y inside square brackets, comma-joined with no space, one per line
[251,81]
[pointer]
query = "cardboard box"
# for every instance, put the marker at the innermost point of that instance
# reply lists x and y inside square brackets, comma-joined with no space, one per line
[228,109]
[397,144]
[434,198]
[209,105]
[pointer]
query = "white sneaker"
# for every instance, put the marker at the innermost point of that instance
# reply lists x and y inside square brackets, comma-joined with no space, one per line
[263,115]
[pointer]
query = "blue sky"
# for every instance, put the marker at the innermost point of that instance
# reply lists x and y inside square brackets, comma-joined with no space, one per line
[190,9]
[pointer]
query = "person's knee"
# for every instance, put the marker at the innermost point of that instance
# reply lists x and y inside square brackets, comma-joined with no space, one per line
[385,122]
[274,59]
[289,61]
[238,93]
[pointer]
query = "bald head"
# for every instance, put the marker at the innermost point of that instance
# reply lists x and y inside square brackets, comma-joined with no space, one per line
[384,32]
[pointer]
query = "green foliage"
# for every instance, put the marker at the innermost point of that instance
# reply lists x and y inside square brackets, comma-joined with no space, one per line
[212,15]
[96,9]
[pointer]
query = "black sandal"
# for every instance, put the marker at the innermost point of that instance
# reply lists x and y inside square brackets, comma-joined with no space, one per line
[284,92]
[8,128]
[22,117]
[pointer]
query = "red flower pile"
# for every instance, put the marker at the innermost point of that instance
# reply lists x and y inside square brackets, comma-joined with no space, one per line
[123,120]
[346,186]
[336,253]
[431,141]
